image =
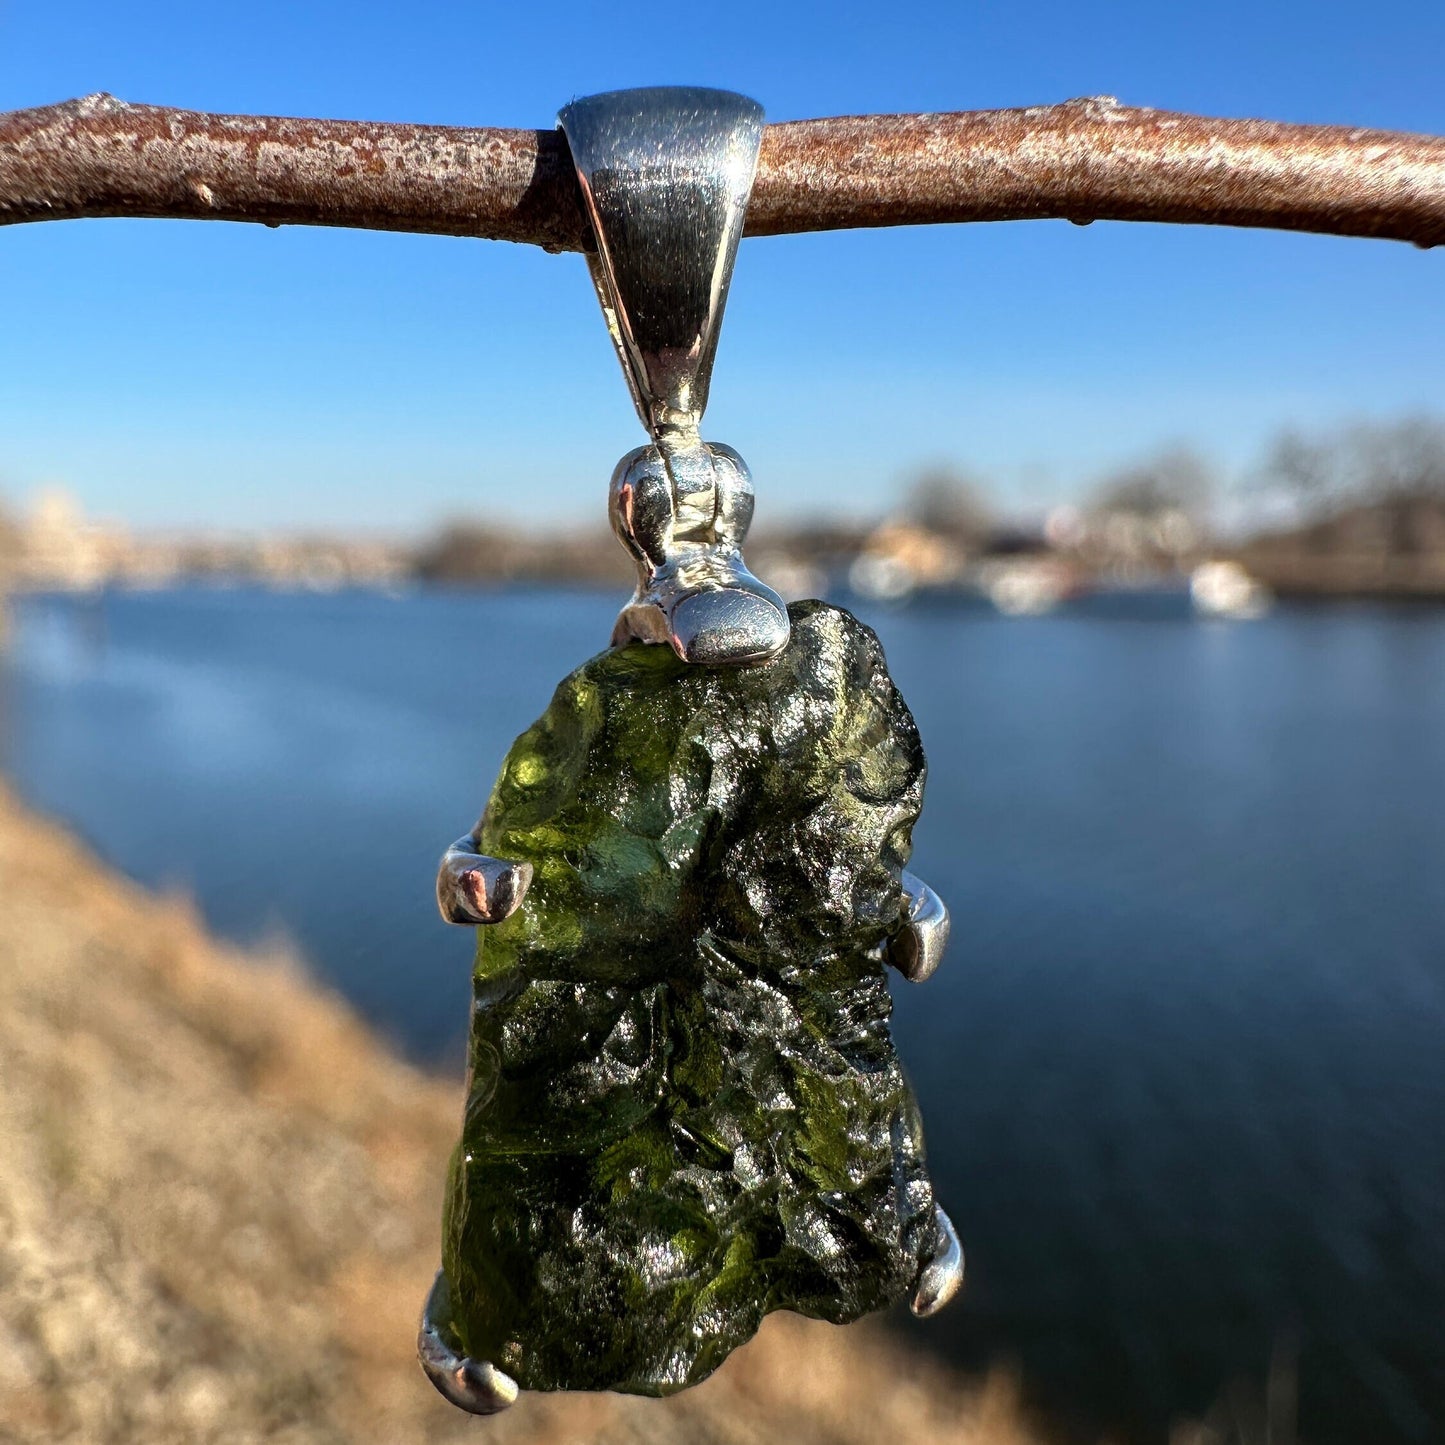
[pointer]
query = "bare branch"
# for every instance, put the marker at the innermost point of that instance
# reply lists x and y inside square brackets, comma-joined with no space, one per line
[1082,161]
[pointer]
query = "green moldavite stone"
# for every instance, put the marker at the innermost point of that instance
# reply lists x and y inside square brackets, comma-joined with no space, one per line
[685,1109]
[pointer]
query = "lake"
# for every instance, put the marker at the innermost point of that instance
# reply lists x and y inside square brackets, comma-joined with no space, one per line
[1183,1070]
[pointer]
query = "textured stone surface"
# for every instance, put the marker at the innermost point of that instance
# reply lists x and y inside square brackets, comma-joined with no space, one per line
[685,1108]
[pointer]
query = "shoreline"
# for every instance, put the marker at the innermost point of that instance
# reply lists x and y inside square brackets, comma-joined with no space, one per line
[220,1201]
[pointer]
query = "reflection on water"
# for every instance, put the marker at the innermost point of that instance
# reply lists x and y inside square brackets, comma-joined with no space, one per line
[1184,1068]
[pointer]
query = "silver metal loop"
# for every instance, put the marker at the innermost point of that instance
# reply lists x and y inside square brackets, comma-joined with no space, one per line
[665,173]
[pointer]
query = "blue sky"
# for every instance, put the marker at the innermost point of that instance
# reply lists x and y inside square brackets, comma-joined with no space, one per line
[175,373]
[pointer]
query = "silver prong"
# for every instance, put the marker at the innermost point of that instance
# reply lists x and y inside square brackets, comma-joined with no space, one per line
[474,889]
[916,949]
[474,1385]
[942,1276]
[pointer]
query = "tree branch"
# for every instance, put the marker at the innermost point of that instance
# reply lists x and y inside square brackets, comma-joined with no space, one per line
[1082,161]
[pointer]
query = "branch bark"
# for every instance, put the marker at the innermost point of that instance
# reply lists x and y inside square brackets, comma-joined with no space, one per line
[1082,161]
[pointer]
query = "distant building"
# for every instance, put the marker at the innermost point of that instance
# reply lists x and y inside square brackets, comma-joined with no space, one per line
[59,549]
[901,556]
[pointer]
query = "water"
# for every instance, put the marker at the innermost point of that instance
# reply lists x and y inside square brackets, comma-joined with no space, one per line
[1184,1068]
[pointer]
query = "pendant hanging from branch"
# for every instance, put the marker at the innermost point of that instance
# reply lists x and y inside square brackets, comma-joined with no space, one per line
[684,1108]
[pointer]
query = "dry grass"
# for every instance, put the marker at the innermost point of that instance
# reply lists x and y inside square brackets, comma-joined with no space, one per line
[219,1204]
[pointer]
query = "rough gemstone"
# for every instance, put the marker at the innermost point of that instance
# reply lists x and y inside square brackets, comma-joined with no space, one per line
[684,1107]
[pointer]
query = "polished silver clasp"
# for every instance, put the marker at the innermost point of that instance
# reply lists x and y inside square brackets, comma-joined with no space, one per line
[665,174]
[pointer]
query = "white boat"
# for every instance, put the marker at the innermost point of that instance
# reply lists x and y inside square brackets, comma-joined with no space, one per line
[1027,586]
[1225,589]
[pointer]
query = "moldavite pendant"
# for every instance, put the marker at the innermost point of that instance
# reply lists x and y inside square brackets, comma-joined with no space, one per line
[684,1109]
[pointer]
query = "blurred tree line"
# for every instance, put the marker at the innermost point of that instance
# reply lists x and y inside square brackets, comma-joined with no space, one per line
[1355,508]
[1371,487]
[1381,481]
[465,552]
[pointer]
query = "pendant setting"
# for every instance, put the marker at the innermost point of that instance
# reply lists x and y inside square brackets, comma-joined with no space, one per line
[665,176]
[684,1108]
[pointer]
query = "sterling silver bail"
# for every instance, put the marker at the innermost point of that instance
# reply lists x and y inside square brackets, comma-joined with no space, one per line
[665,174]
